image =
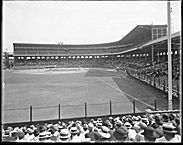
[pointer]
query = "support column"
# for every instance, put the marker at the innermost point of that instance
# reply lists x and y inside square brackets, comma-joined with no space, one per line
[152,54]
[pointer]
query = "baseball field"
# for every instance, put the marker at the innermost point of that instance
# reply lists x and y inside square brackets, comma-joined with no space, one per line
[73,89]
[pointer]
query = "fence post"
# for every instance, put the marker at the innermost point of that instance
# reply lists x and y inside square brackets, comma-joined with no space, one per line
[110,107]
[134,106]
[155,105]
[30,113]
[59,111]
[85,110]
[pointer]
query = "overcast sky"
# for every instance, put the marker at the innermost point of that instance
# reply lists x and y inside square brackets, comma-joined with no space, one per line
[80,22]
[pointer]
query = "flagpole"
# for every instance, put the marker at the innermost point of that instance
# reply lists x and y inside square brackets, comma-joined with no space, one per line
[170,107]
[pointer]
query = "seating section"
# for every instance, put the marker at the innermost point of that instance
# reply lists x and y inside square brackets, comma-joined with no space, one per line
[157,127]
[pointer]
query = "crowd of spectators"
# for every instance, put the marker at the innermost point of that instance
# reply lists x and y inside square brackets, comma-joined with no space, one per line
[159,127]
[69,63]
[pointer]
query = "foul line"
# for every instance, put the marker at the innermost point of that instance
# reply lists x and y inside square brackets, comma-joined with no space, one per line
[123,92]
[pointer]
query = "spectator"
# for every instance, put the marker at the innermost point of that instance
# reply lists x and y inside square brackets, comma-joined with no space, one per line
[14,136]
[121,134]
[45,136]
[104,134]
[91,133]
[64,135]
[149,134]
[20,136]
[75,134]
[170,134]
[30,135]
[131,131]
[6,135]
[36,135]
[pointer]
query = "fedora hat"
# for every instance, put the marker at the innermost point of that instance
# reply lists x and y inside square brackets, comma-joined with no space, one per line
[145,120]
[44,135]
[169,128]
[74,130]
[99,120]
[165,117]
[104,132]
[6,133]
[99,124]
[149,132]
[121,133]
[30,131]
[85,126]
[64,134]
[134,118]
[128,125]
[119,122]
[90,125]
[107,123]
[110,118]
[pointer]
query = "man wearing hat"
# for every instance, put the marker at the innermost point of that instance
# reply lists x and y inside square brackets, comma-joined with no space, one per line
[104,134]
[170,134]
[36,135]
[45,136]
[20,136]
[75,134]
[165,117]
[149,134]
[6,135]
[131,131]
[64,135]
[30,134]
[91,133]
[108,124]
[121,134]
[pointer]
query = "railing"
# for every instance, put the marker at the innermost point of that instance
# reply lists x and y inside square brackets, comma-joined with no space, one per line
[157,82]
[36,113]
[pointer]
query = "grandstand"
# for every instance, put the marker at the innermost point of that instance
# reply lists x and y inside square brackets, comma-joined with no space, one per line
[46,54]
[144,49]
[140,55]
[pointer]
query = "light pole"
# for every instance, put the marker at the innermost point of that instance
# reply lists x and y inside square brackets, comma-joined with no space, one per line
[170,107]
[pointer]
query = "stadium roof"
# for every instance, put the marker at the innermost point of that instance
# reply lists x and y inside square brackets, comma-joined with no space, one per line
[160,40]
[130,40]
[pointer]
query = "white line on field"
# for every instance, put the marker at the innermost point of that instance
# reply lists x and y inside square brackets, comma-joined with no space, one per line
[123,92]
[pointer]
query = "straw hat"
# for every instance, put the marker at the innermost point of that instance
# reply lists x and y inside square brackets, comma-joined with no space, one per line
[64,134]
[74,130]
[44,135]
[99,120]
[128,125]
[104,132]
[119,122]
[90,125]
[169,128]
[6,133]
[30,131]
[85,126]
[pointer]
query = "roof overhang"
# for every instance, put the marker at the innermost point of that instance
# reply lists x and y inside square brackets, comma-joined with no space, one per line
[159,40]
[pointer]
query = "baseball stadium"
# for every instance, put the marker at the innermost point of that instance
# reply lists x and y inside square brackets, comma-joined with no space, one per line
[56,82]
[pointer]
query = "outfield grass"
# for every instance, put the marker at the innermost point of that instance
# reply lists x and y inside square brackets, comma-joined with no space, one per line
[71,90]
